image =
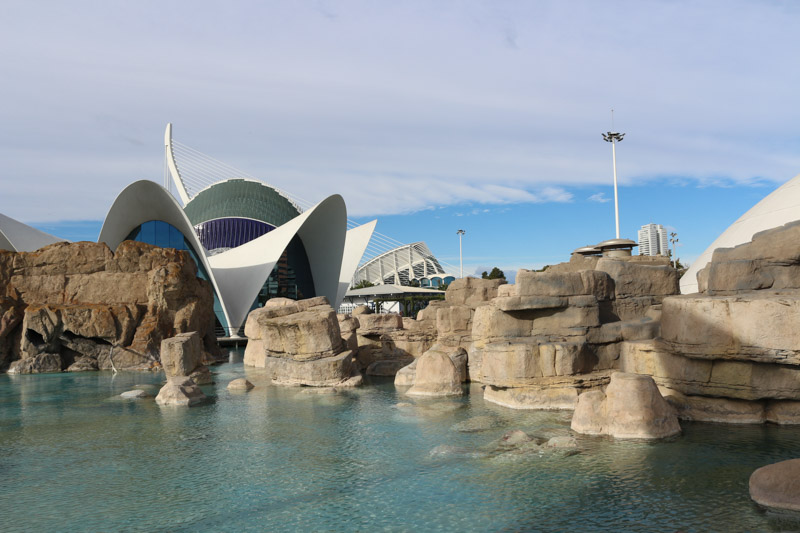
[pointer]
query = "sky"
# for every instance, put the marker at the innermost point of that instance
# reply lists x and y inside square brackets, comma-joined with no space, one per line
[429,116]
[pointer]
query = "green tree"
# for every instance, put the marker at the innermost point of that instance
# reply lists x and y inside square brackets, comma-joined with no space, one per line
[496,273]
[363,284]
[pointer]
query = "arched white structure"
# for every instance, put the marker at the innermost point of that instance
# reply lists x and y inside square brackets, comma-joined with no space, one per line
[18,237]
[143,201]
[780,207]
[242,271]
[402,265]
[238,274]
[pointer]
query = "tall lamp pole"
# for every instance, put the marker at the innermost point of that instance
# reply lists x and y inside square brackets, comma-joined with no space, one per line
[673,239]
[460,233]
[613,137]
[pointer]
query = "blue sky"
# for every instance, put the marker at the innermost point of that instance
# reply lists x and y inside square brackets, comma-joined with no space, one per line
[430,116]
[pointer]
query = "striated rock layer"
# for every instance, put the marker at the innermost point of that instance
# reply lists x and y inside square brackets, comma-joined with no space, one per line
[299,343]
[732,352]
[78,306]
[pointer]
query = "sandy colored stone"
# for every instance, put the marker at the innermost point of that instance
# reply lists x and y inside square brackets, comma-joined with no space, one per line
[181,354]
[180,391]
[323,372]
[405,376]
[376,324]
[436,375]
[639,279]
[135,394]
[82,299]
[630,408]
[472,292]
[240,384]
[301,332]
[777,486]
[759,327]
[782,412]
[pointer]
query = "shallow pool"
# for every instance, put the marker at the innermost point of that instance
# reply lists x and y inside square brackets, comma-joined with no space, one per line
[75,457]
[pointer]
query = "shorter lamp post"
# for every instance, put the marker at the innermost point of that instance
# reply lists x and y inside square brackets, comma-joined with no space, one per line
[460,233]
[673,238]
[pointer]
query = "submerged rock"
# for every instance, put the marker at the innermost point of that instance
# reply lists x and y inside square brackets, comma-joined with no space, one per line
[181,391]
[777,486]
[476,424]
[240,384]
[134,394]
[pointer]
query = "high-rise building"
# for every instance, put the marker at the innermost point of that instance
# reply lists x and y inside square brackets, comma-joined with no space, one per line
[653,240]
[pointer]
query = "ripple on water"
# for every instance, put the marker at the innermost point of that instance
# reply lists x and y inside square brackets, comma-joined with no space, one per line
[369,459]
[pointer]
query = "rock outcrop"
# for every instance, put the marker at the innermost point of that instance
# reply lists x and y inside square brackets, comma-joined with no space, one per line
[183,355]
[436,375]
[78,306]
[555,334]
[180,391]
[777,486]
[299,343]
[630,408]
[732,353]
[385,343]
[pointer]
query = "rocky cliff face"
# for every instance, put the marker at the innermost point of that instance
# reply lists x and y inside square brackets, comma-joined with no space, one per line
[732,352]
[78,306]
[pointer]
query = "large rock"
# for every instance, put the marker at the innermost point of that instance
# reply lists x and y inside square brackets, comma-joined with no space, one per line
[771,260]
[630,408]
[323,372]
[299,343]
[299,332]
[741,380]
[79,301]
[755,326]
[560,393]
[472,292]
[181,355]
[777,486]
[436,375]
[180,391]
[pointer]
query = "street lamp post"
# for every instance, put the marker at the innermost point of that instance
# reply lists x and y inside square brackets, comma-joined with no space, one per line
[673,238]
[613,137]
[460,233]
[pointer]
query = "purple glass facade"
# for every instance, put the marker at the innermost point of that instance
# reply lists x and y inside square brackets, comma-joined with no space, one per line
[230,232]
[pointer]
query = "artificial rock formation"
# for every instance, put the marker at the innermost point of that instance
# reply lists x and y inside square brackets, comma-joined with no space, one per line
[630,408]
[555,334]
[777,486]
[732,353]
[299,343]
[180,391]
[78,306]
[436,375]
[385,343]
[183,355]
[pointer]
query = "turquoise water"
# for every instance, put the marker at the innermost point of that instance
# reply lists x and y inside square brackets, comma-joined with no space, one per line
[75,457]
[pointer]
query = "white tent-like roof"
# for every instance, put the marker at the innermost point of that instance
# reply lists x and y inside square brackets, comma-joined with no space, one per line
[18,237]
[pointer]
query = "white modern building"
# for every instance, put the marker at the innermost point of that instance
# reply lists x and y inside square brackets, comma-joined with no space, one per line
[407,265]
[18,237]
[780,207]
[248,239]
[653,240]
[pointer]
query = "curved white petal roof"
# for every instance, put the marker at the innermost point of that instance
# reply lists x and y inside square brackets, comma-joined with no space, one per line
[780,207]
[238,274]
[18,237]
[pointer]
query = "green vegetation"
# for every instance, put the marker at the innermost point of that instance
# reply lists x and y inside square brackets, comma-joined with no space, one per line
[496,273]
[363,284]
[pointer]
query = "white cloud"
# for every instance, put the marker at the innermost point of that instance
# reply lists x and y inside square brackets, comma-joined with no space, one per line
[493,103]
[599,197]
